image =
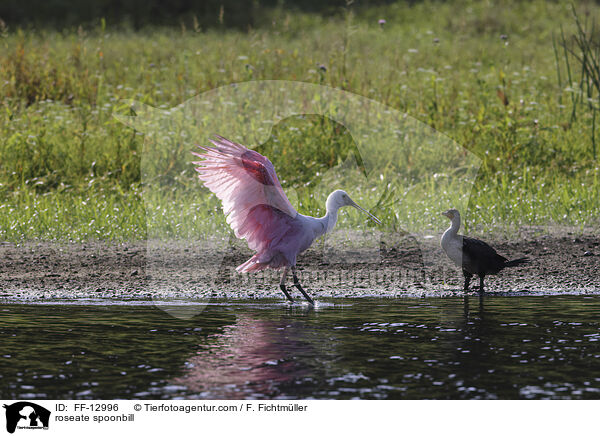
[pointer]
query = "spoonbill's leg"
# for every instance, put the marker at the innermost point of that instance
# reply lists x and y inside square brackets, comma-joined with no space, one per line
[297,284]
[481,283]
[468,276]
[282,285]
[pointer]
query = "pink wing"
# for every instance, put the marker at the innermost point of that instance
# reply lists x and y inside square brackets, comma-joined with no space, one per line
[245,181]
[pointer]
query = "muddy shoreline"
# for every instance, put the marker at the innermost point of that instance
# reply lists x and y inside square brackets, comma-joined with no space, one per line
[392,267]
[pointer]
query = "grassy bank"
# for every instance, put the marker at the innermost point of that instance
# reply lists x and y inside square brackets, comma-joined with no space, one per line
[487,76]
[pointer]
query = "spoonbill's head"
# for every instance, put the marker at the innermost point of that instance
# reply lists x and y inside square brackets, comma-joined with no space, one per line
[341,198]
[451,214]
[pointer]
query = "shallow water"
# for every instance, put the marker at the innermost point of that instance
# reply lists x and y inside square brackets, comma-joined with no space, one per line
[451,348]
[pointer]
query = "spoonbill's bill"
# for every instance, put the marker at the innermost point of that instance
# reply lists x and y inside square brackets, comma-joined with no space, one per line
[258,210]
[475,257]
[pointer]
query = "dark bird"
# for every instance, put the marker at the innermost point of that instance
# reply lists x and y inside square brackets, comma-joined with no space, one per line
[475,257]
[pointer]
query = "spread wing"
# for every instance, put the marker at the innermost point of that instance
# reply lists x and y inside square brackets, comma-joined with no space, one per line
[245,181]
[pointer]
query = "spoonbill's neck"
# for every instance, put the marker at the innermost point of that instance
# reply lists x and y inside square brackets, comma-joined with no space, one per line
[330,217]
[327,223]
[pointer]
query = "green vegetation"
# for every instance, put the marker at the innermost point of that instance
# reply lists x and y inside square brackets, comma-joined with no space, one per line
[494,78]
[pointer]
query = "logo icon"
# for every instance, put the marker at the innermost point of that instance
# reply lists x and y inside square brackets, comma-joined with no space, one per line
[26,415]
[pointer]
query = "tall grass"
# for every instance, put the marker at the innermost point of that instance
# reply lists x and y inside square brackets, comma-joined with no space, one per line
[583,49]
[486,76]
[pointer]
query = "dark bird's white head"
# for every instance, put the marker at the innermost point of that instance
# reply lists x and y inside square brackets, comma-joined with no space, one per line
[451,214]
[341,198]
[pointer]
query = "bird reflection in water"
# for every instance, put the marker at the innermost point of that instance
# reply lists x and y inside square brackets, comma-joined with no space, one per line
[250,359]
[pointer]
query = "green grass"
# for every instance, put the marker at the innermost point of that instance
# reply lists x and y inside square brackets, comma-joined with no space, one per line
[69,170]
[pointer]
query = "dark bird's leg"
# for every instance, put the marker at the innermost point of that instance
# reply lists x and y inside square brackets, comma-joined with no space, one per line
[468,276]
[481,283]
[282,286]
[297,284]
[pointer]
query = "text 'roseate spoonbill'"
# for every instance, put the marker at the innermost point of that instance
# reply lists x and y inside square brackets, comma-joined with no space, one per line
[258,210]
[475,257]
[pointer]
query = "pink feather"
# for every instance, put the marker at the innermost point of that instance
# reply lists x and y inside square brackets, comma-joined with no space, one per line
[256,207]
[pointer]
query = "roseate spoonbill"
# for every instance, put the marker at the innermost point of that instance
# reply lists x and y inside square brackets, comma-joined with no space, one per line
[475,257]
[258,210]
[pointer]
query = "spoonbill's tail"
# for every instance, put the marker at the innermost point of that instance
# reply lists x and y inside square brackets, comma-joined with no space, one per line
[251,265]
